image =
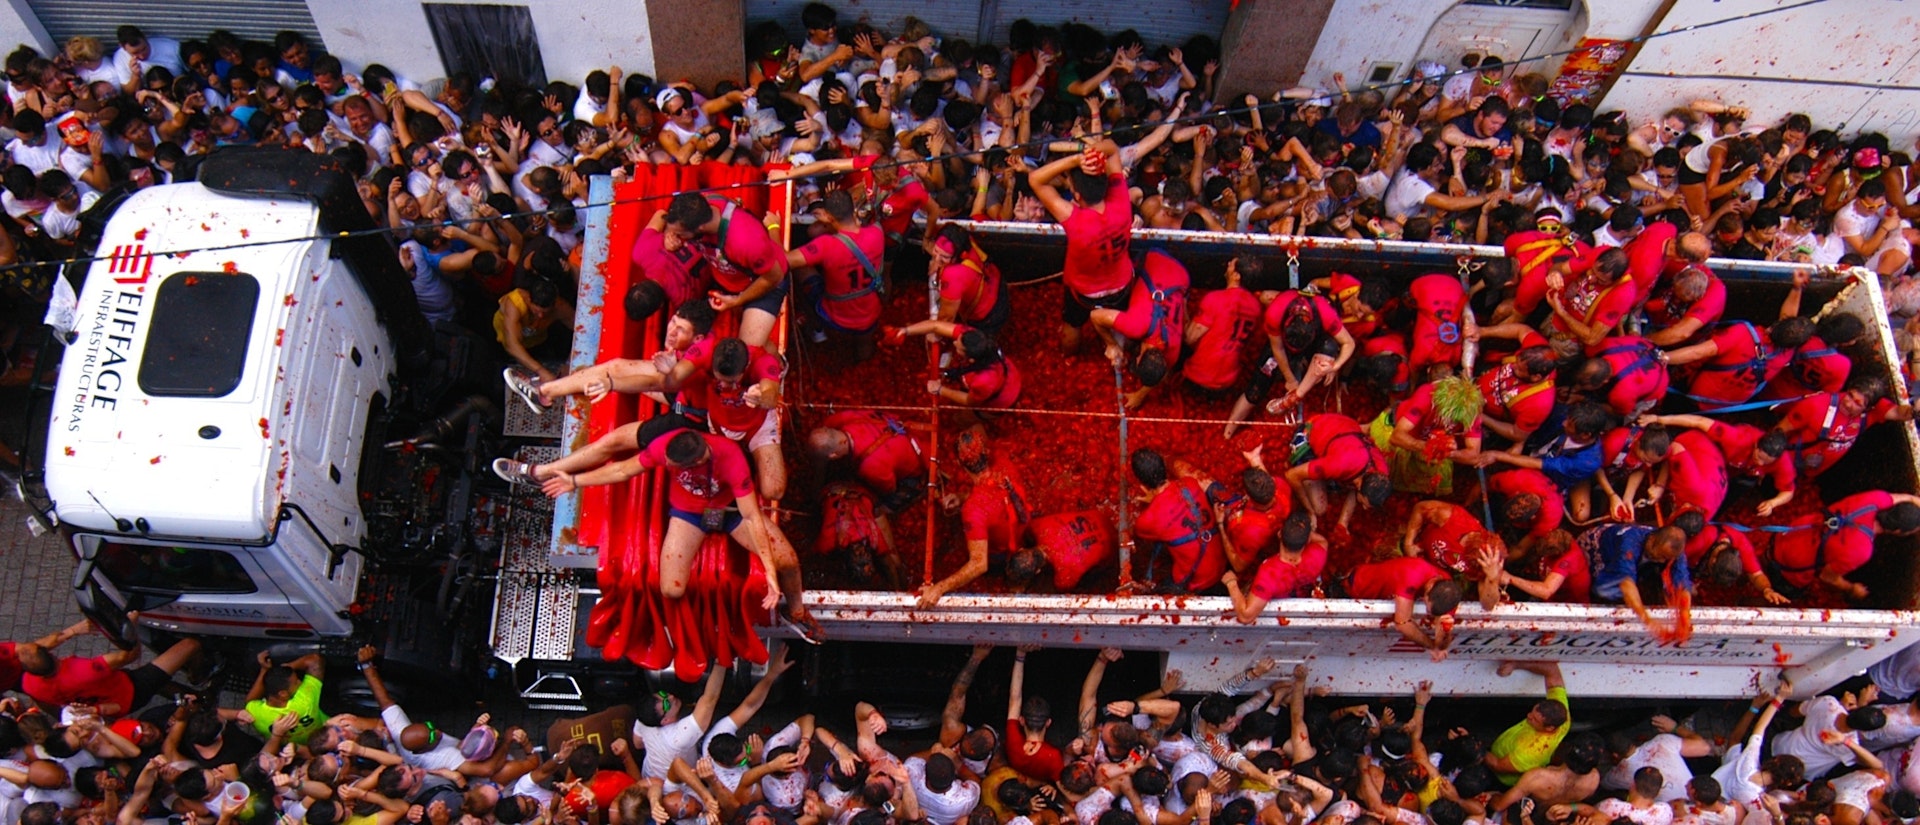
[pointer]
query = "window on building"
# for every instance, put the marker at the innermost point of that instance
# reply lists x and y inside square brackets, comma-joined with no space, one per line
[487,40]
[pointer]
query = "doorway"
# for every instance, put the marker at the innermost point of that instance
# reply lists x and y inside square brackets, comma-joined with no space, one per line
[1509,29]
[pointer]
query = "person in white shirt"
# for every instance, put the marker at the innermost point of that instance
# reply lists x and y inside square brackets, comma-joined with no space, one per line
[1830,736]
[1417,193]
[1898,676]
[1640,804]
[62,218]
[138,52]
[1668,752]
[36,147]
[89,59]
[660,729]
[357,122]
[421,745]
[666,735]
[945,797]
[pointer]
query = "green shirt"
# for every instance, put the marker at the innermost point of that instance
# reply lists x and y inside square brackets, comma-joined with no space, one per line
[1526,748]
[305,702]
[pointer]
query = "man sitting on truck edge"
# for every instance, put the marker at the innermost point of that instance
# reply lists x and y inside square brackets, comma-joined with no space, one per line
[709,473]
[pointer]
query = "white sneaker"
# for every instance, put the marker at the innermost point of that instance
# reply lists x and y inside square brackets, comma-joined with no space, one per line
[525,386]
[515,472]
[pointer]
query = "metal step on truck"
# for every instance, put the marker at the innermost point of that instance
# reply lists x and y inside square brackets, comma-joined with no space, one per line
[257,440]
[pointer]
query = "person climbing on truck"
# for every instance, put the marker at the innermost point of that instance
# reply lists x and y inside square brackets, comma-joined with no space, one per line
[709,473]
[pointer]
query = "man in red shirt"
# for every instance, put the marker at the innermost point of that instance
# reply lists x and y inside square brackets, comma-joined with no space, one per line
[1696,474]
[845,282]
[1751,454]
[1333,450]
[1824,547]
[1589,306]
[883,452]
[1359,300]
[1537,255]
[1306,343]
[108,683]
[1442,323]
[1070,544]
[1649,252]
[1290,573]
[1821,364]
[739,396]
[1681,306]
[660,278]
[1450,536]
[1405,579]
[971,289]
[1530,505]
[1249,521]
[1724,556]
[1098,221]
[1176,520]
[749,269]
[1566,576]
[1738,358]
[1155,319]
[982,376]
[1219,333]
[1519,394]
[1632,459]
[1820,429]
[1028,718]
[709,473]
[851,527]
[10,652]
[1626,373]
[992,517]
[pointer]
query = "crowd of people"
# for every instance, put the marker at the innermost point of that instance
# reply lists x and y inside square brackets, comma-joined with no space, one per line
[101,740]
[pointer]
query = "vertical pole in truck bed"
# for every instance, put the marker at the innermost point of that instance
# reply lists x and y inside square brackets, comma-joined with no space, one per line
[933,447]
[1126,529]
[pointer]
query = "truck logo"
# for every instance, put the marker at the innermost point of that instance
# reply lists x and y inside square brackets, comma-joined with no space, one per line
[110,338]
[130,263]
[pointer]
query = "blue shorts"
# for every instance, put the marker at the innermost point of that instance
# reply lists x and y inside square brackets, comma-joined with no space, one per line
[730,520]
[770,302]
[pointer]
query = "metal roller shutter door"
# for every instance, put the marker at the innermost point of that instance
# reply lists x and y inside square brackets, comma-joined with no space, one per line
[180,19]
[1166,22]
[947,19]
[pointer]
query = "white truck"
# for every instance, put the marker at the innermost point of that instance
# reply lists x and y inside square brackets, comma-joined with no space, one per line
[218,450]
[256,439]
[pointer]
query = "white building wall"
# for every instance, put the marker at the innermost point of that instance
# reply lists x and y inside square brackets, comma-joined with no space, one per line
[393,34]
[576,36]
[1830,61]
[18,26]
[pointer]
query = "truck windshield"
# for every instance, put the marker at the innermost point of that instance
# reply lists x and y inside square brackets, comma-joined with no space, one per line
[153,568]
[197,344]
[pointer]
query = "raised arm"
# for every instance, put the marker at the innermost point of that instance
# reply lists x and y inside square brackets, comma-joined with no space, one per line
[952,729]
[1090,688]
[777,664]
[710,697]
[1041,180]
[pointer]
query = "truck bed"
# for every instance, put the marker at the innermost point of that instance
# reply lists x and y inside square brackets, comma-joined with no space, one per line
[1606,651]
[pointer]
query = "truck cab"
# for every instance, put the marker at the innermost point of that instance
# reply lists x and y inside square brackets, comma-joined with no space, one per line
[205,448]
